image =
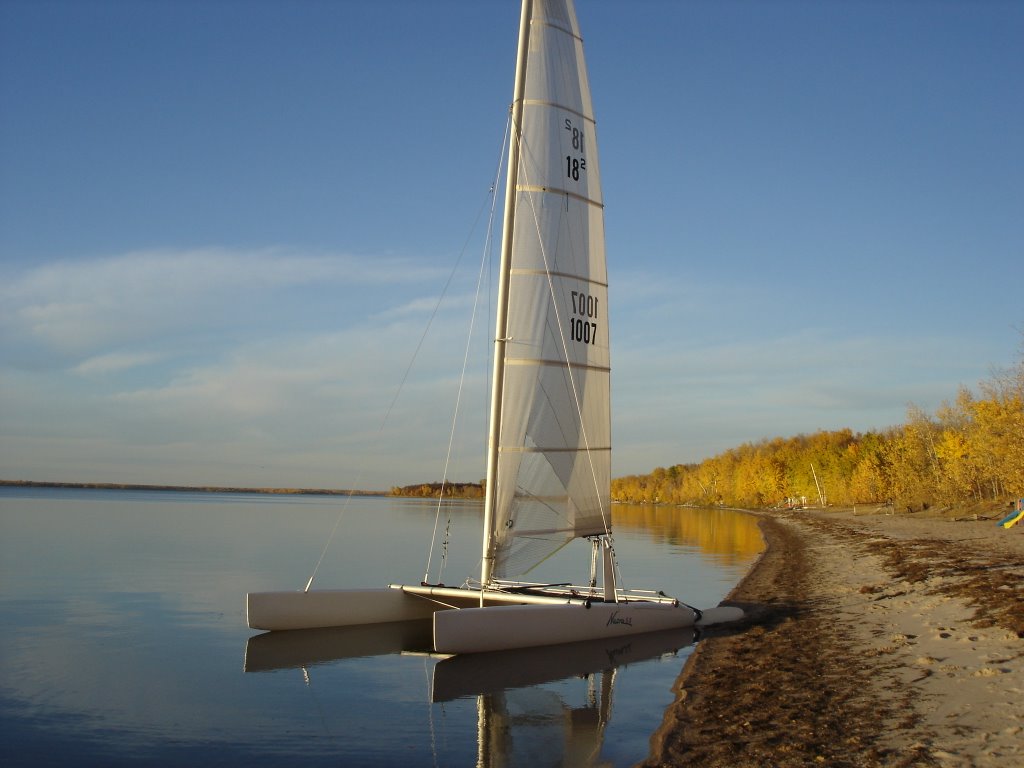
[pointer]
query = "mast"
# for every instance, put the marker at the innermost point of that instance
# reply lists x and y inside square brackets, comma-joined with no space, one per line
[501,325]
[821,496]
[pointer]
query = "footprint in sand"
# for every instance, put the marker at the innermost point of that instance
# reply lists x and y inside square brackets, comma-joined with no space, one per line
[989,672]
[899,639]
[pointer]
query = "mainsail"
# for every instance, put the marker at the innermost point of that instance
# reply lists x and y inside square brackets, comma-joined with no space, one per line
[553,454]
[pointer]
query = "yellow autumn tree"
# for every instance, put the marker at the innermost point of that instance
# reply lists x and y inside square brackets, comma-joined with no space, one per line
[971,450]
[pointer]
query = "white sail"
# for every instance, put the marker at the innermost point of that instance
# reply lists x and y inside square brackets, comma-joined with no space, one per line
[554,445]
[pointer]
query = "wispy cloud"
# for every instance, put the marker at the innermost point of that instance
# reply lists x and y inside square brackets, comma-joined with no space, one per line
[705,397]
[427,304]
[114,362]
[206,366]
[82,306]
[211,356]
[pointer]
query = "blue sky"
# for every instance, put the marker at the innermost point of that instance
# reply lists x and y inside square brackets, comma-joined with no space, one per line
[224,226]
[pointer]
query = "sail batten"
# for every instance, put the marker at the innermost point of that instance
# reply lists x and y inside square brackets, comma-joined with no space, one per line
[538,102]
[553,457]
[551,449]
[539,273]
[561,28]
[557,192]
[557,363]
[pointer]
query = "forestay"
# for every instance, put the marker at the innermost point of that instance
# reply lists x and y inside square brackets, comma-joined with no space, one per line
[554,449]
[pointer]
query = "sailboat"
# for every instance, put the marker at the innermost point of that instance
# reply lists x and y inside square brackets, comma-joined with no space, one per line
[549,439]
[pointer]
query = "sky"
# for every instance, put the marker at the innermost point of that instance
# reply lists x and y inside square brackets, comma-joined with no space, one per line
[225,225]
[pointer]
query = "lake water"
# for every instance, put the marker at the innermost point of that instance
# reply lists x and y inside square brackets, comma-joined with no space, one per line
[125,642]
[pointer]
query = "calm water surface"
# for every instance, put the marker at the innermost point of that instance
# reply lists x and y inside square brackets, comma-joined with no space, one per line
[124,637]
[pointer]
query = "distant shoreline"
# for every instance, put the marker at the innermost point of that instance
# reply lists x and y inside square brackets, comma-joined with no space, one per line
[190,488]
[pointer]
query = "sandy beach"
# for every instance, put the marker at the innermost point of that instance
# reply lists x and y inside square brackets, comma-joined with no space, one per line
[871,640]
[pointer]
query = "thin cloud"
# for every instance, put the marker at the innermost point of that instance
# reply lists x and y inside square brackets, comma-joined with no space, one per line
[79,307]
[114,362]
[705,398]
[427,304]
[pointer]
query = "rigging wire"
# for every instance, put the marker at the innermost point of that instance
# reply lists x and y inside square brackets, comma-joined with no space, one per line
[485,259]
[405,377]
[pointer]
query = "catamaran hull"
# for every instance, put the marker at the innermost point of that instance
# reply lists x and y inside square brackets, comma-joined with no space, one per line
[723,614]
[505,622]
[506,627]
[333,608]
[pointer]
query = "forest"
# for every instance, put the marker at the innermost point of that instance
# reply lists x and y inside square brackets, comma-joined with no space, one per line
[970,452]
[433,490]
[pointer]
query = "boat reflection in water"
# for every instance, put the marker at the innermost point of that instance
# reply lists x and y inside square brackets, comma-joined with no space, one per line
[485,673]
[550,705]
[302,648]
[546,706]
[522,721]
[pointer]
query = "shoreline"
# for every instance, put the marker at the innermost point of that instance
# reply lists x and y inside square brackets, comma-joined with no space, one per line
[869,640]
[188,488]
[456,490]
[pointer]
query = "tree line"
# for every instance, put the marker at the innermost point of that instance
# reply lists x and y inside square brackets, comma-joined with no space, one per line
[969,451]
[433,490]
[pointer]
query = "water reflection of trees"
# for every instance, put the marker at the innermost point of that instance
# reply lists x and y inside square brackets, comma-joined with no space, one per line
[718,531]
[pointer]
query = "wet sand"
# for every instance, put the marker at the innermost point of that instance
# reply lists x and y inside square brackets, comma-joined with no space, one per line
[871,640]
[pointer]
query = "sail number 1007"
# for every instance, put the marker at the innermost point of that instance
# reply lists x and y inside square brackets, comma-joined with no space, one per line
[584,312]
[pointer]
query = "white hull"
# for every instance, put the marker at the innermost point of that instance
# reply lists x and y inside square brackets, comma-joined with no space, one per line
[506,621]
[723,614]
[506,627]
[323,608]
[333,608]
